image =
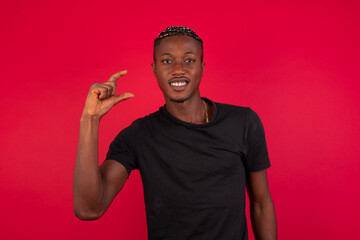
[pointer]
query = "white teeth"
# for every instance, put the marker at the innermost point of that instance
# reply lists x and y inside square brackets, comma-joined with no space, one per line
[178,84]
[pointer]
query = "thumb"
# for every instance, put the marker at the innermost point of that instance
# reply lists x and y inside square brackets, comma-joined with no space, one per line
[122,97]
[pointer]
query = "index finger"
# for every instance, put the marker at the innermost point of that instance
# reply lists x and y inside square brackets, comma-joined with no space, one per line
[117,75]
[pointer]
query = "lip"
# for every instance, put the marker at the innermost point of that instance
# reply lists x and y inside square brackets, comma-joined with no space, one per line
[179,79]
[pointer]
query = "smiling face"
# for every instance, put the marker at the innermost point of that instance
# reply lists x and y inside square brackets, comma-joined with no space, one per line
[178,67]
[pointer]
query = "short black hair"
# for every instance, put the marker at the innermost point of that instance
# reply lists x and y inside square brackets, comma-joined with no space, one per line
[178,31]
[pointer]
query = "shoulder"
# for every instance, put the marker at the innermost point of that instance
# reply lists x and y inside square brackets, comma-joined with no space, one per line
[138,124]
[233,111]
[231,108]
[238,115]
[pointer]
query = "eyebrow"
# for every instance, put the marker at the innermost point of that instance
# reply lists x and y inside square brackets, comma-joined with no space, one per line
[169,54]
[166,54]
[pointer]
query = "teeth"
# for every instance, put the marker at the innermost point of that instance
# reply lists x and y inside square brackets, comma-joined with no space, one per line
[178,84]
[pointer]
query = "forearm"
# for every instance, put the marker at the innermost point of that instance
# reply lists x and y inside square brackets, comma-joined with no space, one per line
[263,221]
[87,185]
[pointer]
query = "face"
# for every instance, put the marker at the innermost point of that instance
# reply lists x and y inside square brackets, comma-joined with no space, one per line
[178,67]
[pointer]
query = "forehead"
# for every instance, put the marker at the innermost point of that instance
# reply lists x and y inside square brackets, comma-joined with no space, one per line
[178,44]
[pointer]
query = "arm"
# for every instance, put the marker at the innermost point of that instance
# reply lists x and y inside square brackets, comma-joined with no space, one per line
[262,210]
[95,187]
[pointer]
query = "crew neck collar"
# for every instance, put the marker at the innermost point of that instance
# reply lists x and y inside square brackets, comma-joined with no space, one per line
[180,122]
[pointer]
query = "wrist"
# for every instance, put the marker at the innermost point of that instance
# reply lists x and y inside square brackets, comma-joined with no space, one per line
[89,118]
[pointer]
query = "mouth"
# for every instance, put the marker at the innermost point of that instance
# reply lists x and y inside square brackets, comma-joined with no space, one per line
[178,84]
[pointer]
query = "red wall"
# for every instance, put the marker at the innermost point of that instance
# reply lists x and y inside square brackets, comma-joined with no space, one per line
[296,63]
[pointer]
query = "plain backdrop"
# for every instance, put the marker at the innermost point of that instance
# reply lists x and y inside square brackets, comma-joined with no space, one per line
[296,63]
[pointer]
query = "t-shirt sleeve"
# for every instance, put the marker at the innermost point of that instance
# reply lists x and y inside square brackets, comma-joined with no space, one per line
[123,148]
[257,157]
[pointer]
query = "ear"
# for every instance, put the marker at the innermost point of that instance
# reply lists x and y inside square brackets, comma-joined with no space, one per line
[153,65]
[203,67]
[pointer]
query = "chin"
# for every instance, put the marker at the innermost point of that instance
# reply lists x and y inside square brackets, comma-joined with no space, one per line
[179,100]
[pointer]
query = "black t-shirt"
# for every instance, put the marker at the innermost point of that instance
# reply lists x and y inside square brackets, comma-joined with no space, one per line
[194,174]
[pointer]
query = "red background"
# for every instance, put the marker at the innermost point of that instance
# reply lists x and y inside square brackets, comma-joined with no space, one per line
[296,63]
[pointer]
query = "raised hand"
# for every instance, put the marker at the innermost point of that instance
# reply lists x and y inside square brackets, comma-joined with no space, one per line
[101,97]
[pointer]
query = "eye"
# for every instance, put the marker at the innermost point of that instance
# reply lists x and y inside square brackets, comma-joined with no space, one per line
[167,61]
[189,60]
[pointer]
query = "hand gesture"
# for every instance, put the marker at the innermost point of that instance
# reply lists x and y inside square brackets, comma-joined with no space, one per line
[101,97]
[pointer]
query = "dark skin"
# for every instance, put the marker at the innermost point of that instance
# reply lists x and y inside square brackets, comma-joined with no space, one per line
[178,68]
[95,187]
[178,61]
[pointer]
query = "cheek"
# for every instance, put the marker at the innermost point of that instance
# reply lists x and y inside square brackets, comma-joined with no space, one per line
[196,70]
[161,75]
[162,70]
[161,79]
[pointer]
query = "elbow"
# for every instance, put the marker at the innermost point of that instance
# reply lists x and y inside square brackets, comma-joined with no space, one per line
[87,215]
[260,208]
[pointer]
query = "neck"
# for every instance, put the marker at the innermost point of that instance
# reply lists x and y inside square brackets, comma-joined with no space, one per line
[192,110]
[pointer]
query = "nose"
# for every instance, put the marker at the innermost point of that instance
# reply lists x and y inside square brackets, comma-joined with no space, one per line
[178,69]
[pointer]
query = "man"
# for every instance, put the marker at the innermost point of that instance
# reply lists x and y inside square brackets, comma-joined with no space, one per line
[193,155]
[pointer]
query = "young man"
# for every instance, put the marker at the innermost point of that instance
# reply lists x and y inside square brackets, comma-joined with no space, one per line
[194,155]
